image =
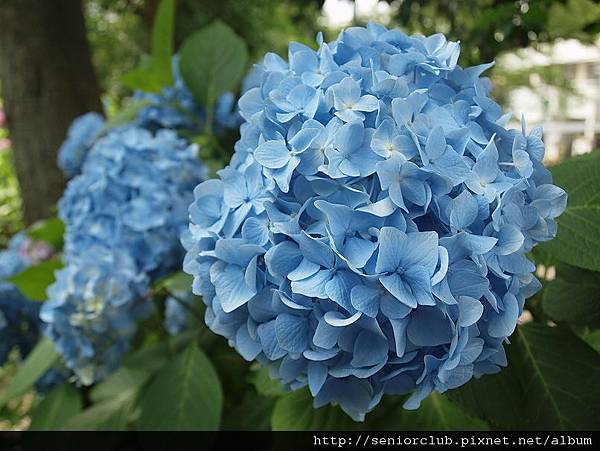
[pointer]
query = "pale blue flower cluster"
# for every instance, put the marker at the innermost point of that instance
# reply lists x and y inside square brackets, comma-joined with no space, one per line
[177,313]
[370,234]
[174,107]
[19,325]
[123,215]
[133,195]
[93,309]
[80,138]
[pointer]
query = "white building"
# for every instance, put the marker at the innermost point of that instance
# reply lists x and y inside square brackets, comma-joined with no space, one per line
[571,121]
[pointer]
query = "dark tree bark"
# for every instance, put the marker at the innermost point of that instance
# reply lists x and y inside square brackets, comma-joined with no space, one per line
[46,80]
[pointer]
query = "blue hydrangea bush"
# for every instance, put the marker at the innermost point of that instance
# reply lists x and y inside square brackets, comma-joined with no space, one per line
[19,323]
[123,214]
[81,136]
[370,234]
[93,309]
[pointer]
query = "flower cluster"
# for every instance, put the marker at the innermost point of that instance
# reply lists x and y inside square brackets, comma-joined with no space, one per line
[370,234]
[80,138]
[174,107]
[133,195]
[93,309]
[177,311]
[19,326]
[123,215]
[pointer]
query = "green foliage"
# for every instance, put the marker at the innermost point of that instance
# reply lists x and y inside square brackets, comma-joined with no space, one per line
[37,363]
[185,395]
[573,17]
[263,384]
[549,383]
[50,230]
[57,407]
[212,62]
[574,296]
[295,412]
[154,71]
[10,199]
[174,282]
[438,414]
[124,115]
[34,281]
[579,226]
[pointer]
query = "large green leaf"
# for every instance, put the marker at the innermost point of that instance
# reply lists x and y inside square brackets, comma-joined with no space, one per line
[264,385]
[175,282]
[125,115]
[574,296]
[123,380]
[438,414]
[185,395]
[212,61]
[295,412]
[57,407]
[110,415]
[578,239]
[550,383]
[162,41]
[34,281]
[39,360]
[155,71]
[50,230]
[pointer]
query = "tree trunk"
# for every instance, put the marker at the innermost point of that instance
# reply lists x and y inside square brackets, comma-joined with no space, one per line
[46,80]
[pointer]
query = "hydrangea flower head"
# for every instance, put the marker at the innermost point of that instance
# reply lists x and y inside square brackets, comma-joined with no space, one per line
[80,138]
[92,311]
[369,235]
[123,216]
[133,195]
[19,324]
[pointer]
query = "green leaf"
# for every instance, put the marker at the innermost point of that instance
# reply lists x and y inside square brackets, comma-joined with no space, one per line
[578,240]
[212,61]
[39,360]
[143,77]
[438,414]
[295,412]
[155,71]
[149,359]
[162,42]
[111,415]
[185,395]
[57,407]
[125,115]
[574,296]
[264,385]
[175,282]
[550,383]
[50,230]
[123,380]
[593,339]
[34,281]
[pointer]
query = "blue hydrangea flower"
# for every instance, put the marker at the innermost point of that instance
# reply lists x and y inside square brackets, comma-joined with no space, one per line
[177,315]
[126,210]
[80,138]
[92,311]
[133,195]
[369,236]
[174,107]
[19,325]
